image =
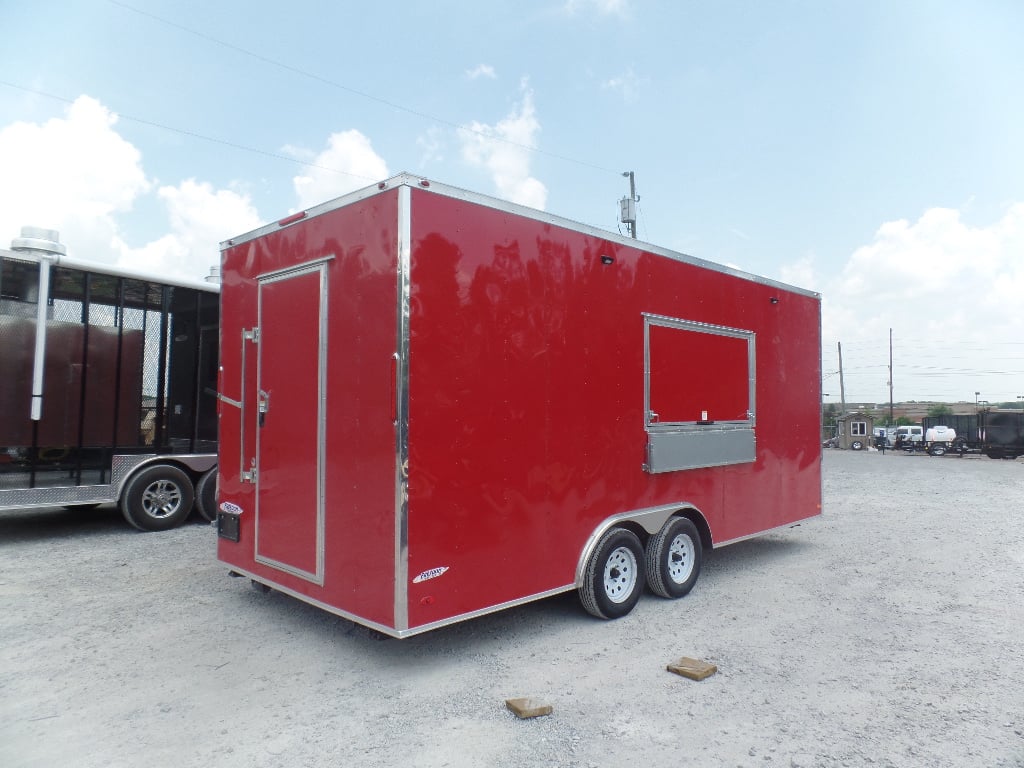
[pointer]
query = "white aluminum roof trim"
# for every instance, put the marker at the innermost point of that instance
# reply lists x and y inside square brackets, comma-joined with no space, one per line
[316,210]
[115,271]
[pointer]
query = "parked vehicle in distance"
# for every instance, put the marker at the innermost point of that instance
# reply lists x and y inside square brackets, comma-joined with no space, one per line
[908,436]
[966,425]
[885,435]
[997,433]
[936,440]
[939,439]
[1002,434]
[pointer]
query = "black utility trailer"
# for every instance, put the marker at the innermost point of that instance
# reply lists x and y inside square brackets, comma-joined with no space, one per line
[107,386]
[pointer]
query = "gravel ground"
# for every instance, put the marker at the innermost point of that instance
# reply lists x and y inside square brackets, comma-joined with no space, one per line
[888,633]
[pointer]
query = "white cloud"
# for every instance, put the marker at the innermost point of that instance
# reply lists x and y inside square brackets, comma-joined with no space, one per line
[349,163]
[950,291]
[75,174]
[503,150]
[432,146]
[800,273]
[200,217]
[482,70]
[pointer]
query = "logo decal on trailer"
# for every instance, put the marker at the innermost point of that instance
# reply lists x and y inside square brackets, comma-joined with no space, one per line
[229,508]
[433,573]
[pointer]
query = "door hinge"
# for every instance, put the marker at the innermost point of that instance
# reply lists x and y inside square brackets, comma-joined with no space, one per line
[252,335]
[250,476]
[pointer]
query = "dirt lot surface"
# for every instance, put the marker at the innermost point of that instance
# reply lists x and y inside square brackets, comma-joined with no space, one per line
[889,632]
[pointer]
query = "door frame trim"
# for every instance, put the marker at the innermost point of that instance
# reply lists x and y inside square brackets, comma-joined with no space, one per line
[320,267]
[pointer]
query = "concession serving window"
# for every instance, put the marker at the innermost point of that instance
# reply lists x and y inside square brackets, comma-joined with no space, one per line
[698,394]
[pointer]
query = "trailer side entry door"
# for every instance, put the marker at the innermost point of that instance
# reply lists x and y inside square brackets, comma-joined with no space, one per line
[699,392]
[290,421]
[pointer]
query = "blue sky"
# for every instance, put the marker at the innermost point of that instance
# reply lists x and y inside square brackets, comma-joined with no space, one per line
[871,151]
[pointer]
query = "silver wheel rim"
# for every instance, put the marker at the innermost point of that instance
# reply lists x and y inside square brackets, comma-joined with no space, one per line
[680,558]
[161,499]
[620,573]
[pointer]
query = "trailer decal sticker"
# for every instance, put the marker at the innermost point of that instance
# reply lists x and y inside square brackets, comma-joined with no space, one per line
[433,573]
[229,508]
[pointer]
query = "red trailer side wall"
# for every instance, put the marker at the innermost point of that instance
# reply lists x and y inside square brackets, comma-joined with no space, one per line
[526,401]
[359,528]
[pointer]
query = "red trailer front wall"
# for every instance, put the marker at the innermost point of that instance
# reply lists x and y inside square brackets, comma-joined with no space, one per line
[357,246]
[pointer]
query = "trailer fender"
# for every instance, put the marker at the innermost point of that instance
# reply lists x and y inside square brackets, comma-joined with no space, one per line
[127,465]
[644,523]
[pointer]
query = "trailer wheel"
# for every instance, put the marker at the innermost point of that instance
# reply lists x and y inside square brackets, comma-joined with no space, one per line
[614,576]
[158,498]
[857,445]
[674,558]
[937,449]
[206,495]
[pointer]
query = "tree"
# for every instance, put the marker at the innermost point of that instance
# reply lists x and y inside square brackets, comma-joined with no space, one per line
[940,409]
[828,417]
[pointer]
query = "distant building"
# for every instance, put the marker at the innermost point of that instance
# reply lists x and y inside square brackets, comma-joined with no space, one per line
[855,431]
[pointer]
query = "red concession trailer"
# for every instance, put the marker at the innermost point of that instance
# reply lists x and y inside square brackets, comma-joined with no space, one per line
[436,404]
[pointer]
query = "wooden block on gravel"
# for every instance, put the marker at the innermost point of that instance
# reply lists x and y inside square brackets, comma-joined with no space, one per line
[527,708]
[695,669]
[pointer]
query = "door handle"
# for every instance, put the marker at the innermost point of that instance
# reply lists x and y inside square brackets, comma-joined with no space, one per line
[262,405]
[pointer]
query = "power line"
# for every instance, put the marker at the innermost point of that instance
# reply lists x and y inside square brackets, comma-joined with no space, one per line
[354,91]
[194,134]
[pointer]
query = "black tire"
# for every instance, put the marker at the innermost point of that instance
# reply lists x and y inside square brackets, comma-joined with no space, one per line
[158,498]
[857,445]
[937,449]
[674,558]
[206,495]
[614,577]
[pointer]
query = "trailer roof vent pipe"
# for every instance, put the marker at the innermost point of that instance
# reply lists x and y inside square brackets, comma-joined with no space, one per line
[45,241]
[45,245]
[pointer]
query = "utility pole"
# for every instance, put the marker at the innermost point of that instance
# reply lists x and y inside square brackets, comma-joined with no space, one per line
[842,387]
[891,422]
[627,205]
